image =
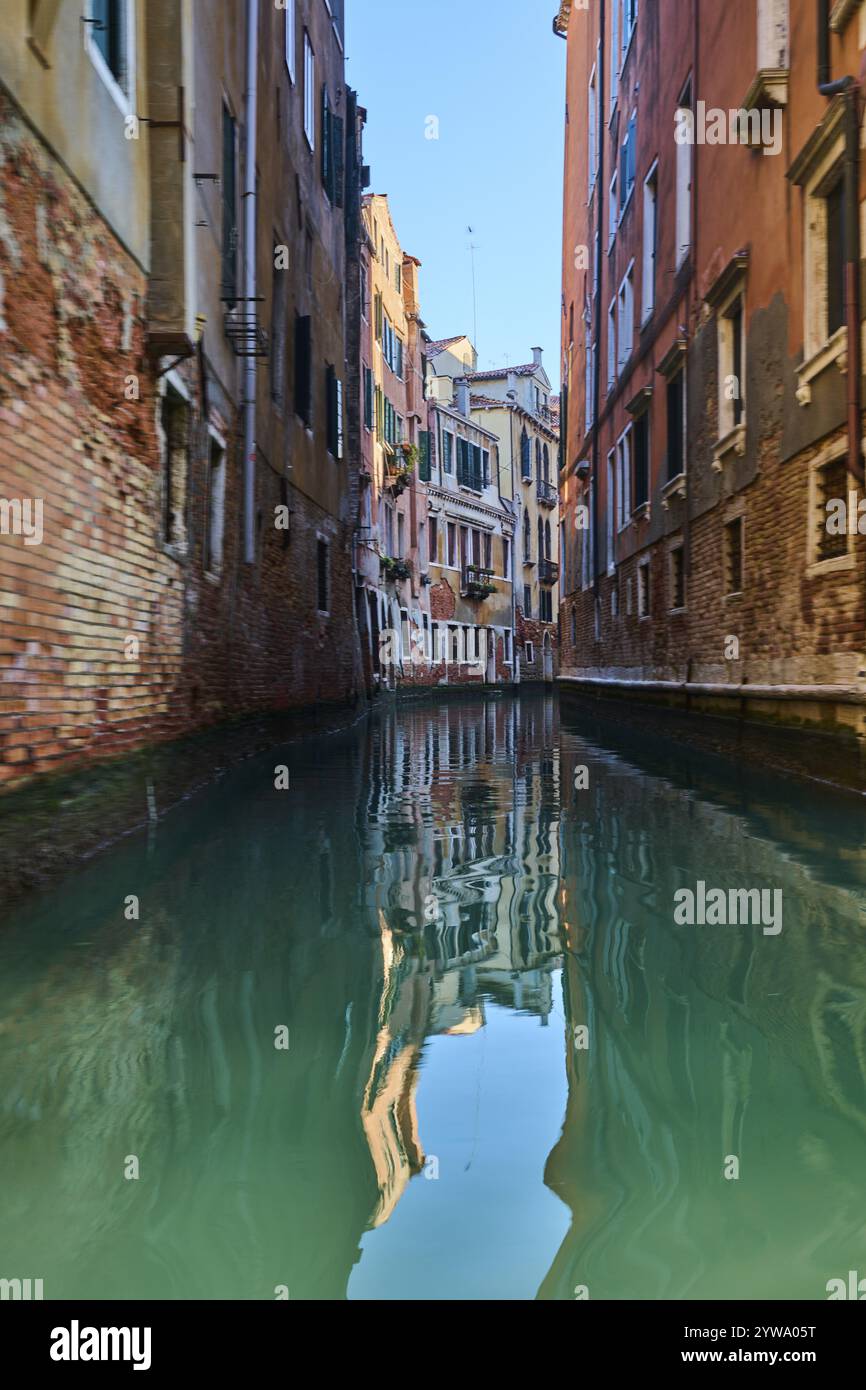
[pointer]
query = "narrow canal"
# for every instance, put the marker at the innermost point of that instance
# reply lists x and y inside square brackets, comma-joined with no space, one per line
[422,1025]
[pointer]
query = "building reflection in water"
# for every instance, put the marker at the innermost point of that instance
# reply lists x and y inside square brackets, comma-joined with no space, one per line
[459,831]
[434,872]
[706,1043]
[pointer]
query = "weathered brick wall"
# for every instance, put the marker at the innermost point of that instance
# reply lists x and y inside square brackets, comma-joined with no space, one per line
[71,334]
[792,628]
[76,433]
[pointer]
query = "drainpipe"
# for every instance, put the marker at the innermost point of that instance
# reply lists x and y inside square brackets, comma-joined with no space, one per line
[250,283]
[596,286]
[849,88]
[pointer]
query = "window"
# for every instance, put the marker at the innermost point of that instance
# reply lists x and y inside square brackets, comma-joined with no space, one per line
[590,383]
[613,210]
[678,578]
[527,600]
[322,575]
[830,484]
[574,624]
[452,545]
[684,127]
[365,292]
[279,292]
[229,208]
[818,171]
[629,20]
[611,507]
[676,425]
[529,653]
[628,156]
[290,39]
[643,589]
[401,535]
[506,558]
[733,556]
[303,368]
[175,451]
[611,345]
[615,55]
[216,497]
[732,407]
[527,538]
[309,92]
[434,540]
[485,466]
[626,319]
[623,480]
[388,523]
[110,42]
[333,136]
[545,605]
[369,417]
[334,397]
[650,235]
[640,436]
[447,452]
[835,259]
[525,457]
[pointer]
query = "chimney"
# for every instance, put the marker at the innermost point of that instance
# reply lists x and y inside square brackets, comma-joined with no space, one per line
[536,355]
[463,396]
[512,385]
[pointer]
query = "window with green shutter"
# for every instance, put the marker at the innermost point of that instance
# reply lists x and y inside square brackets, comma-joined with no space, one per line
[424,456]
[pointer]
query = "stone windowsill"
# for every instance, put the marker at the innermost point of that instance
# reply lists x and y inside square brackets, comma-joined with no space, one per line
[676,487]
[834,350]
[840,13]
[769,87]
[734,442]
[836,565]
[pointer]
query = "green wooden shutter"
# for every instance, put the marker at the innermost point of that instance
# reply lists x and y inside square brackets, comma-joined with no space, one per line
[424,464]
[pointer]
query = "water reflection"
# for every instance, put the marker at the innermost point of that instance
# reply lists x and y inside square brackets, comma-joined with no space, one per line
[431,910]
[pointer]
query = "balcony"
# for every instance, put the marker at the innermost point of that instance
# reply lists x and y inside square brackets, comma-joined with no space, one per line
[395,571]
[546,493]
[548,572]
[477,582]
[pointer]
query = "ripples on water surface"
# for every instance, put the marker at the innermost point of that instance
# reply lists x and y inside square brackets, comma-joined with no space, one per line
[431,910]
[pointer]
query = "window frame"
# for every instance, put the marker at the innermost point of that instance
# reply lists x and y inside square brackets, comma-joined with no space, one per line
[310,103]
[123,94]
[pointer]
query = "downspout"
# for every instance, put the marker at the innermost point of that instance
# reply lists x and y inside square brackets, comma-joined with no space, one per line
[596,374]
[515,669]
[849,88]
[250,282]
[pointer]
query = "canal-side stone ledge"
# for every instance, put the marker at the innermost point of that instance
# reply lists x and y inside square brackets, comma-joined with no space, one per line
[56,822]
[813,732]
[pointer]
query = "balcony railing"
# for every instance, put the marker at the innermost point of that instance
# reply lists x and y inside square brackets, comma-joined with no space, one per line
[477,582]
[548,571]
[546,494]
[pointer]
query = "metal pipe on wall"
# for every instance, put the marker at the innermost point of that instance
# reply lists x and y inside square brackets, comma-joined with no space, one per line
[250,281]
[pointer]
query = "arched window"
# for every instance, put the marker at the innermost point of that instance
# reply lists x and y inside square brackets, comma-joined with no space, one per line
[527,537]
[540,539]
[546,464]
[538,459]
[525,455]
[547,539]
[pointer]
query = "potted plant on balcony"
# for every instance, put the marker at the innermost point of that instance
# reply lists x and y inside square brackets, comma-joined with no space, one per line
[401,466]
[478,582]
[395,570]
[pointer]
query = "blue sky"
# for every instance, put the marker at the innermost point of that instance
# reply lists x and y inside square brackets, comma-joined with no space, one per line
[494,76]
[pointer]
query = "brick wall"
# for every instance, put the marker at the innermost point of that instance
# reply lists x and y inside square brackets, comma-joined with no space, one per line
[109,638]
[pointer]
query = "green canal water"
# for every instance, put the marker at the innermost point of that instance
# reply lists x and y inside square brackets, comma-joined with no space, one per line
[423,1025]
